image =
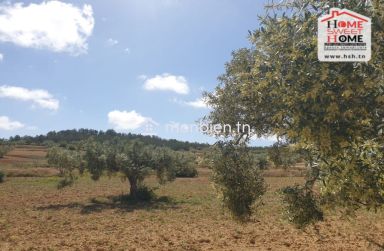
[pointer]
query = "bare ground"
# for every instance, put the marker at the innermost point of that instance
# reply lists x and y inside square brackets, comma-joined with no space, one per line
[187,215]
[36,216]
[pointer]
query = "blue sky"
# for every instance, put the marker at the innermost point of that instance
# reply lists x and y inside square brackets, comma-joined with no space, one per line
[131,65]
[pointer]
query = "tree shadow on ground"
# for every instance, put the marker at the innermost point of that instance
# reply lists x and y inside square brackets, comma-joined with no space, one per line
[123,203]
[375,243]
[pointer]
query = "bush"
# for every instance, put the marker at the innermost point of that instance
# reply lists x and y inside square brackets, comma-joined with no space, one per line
[262,163]
[66,181]
[282,155]
[301,206]
[207,158]
[186,172]
[184,165]
[2,176]
[143,194]
[4,149]
[238,179]
[64,160]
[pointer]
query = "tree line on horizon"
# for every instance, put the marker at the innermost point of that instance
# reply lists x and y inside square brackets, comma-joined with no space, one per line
[76,135]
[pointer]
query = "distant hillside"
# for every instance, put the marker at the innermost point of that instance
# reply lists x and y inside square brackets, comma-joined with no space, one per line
[70,136]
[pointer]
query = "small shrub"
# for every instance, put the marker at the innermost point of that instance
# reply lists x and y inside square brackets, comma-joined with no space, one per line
[262,163]
[186,172]
[4,149]
[301,206]
[184,165]
[238,179]
[2,176]
[65,161]
[143,194]
[63,145]
[64,183]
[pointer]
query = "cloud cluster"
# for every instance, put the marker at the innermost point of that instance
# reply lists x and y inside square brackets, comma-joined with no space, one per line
[9,125]
[1,57]
[128,120]
[41,98]
[52,25]
[167,82]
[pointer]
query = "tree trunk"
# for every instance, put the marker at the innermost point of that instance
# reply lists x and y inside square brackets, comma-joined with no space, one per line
[133,187]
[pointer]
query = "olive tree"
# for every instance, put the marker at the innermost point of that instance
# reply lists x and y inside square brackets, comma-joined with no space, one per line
[333,111]
[134,160]
[66,161]
[185,165]
[4,148]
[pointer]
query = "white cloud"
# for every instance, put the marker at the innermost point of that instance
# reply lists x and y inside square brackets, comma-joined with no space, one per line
[41,98]
[127,50]
[124,120]
[112,42]
[167,82]
[9,125]
[52,25]
[1,57]
[198,103]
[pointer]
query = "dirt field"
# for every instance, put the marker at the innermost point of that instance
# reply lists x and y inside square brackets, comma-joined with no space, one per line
[24,161]
[187,215]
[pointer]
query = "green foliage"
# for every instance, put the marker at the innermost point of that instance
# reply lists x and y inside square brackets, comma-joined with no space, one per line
[4,149]
[262,163]
[163,161]
[65,181]
[207,158]
[335,111]
[135,160]
[66,162]
[301,206]
[2,176]
[96,159]
[70,137]
[282,155]
[143,194]
[186,172]
[355,178]
[185,165]
[238,179]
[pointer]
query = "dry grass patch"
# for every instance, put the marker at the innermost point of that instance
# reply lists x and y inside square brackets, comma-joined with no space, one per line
[27,161]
